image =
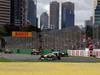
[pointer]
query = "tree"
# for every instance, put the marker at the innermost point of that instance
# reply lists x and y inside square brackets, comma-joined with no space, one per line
[9,28]
[2,41]
[89,32]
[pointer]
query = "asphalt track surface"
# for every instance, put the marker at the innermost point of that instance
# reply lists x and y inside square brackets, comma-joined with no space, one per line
[36,58]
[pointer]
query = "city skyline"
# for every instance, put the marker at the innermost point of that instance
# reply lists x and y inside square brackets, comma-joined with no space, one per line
[82,11]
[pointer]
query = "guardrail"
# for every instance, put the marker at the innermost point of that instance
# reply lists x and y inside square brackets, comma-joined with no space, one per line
[84,53]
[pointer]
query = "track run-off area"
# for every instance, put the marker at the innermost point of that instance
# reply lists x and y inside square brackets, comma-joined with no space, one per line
[49,68]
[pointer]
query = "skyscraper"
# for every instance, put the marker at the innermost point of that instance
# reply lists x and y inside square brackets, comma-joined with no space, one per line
[4,12]
[18,12]
[94,4]
[68,14]
[97,13]
[44,20]
[54,15]
[31,12]
[98,2]
[89,22]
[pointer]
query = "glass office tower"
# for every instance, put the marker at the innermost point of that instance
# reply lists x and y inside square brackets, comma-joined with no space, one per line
[97,13]
[18,12]
[67,14]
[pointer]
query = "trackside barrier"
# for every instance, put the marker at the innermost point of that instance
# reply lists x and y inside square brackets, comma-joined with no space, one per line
[76,52]
[83,53]
[97,52]
[21,51]
[46,51]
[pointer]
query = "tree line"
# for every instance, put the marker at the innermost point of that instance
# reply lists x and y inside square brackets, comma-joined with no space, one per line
[7,29]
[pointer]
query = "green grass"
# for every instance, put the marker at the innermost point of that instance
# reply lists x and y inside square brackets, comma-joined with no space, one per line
[94,60]
[5,60]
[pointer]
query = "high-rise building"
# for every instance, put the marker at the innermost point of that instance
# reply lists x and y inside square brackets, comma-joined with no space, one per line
[68,14]
[94,4]
[54,15]
[98,2]
[31,12]
[18,12]
[4,12]
[44,20]
[97,13]
[89,22]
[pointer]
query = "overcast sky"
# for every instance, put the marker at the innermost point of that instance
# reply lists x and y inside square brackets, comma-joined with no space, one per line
[83,9]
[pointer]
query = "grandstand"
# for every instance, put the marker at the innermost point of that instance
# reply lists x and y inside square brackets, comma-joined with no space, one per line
[63,39]
[56,39]
[22,42]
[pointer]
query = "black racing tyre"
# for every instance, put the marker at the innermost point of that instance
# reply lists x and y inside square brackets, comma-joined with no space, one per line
[59,58]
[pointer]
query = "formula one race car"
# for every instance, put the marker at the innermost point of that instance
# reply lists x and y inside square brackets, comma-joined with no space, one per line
[7,51]
[35,52]
[51,56]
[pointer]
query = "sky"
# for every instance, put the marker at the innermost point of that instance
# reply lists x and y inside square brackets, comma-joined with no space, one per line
[83,9]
